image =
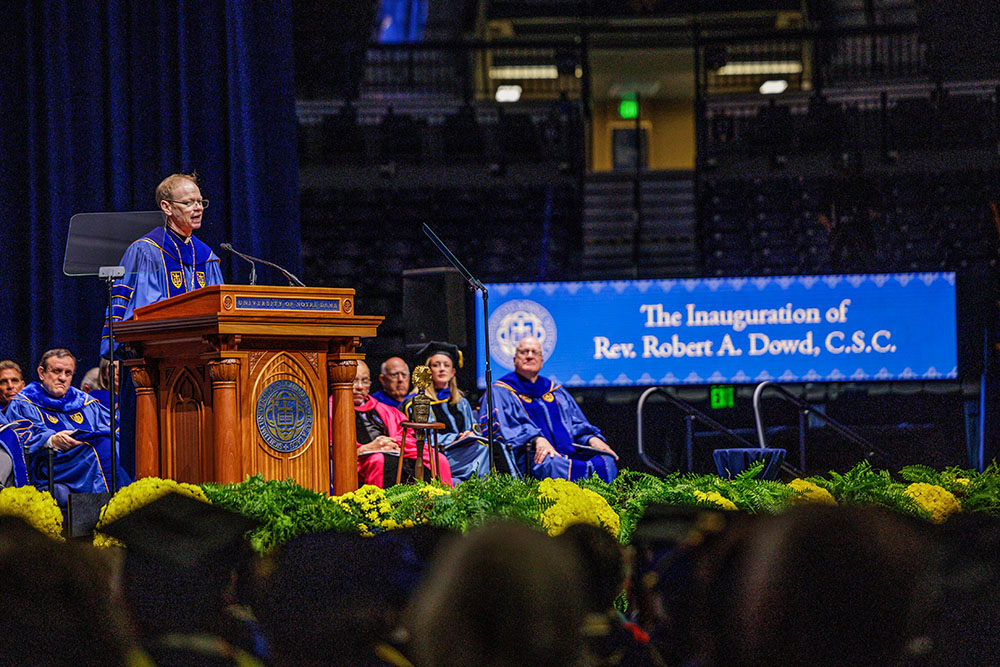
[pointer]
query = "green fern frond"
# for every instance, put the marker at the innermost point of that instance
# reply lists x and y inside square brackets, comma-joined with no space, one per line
[284,509]
[751,472]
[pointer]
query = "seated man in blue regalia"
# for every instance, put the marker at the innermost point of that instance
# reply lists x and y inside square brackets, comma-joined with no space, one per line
[74,425]
[531,409]
[11,382]
[395,380]
[169,260]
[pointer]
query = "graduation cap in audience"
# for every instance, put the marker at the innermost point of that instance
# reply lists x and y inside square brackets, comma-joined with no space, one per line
[438,347]
[183,533]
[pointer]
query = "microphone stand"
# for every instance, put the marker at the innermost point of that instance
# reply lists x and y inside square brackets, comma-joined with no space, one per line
[253,265]
[292,280]
[109,274]
[474,284]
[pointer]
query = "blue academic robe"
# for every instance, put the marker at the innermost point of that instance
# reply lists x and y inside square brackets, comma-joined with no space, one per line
[81,469]
[526,410]
[102,395]
[11,444]
[158,266]
[473,457]
[383,397]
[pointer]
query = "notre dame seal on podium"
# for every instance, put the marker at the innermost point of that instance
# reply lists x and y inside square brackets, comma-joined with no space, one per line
[284,415]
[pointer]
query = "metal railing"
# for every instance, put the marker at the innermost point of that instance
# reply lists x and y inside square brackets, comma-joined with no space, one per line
[691,415]
[805,409]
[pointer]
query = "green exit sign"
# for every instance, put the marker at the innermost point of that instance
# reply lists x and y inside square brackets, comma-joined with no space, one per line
[722,396]
[628,108]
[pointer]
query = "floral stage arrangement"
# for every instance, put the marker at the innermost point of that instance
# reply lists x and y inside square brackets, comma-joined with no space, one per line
[286,510]
[37,508]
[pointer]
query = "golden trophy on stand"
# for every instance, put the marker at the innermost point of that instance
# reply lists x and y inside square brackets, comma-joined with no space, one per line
[421,379]
[420,414]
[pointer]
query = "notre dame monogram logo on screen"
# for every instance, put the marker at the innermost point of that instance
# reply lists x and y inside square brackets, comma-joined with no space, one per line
[519,319]
[284,416]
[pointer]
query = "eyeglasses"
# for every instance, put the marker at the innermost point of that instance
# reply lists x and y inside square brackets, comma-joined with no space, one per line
[528,353]
[396,376]
[364,383]
[190,203]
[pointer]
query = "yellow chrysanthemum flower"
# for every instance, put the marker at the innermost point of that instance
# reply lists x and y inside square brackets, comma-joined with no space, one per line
[37,508]
[715,498]
[429,491]
[369,507]
[573,504]
[139,494]
[940,502]
[810,493]
[960,486]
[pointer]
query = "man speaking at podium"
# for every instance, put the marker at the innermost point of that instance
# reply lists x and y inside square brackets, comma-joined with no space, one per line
[168,260]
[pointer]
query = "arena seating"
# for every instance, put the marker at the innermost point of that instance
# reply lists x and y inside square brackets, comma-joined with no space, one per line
[367,236]
[898,222]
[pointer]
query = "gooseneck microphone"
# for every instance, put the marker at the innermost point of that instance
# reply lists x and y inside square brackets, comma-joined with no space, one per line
[253,266]
[292,280]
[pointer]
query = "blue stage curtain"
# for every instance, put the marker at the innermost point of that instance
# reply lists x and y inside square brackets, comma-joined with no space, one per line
[101,99]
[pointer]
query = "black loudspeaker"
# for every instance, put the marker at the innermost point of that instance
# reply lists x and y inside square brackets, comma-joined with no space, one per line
[83,512]
[963,38]
[435,302]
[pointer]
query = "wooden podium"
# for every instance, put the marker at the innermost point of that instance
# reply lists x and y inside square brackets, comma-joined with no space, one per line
[234,380]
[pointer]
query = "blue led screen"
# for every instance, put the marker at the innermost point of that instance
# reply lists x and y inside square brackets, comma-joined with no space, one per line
[729,330]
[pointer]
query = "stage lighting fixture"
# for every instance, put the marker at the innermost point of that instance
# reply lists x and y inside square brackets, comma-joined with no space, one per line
[773,87]
[508,93]
[524,72]
[760,67]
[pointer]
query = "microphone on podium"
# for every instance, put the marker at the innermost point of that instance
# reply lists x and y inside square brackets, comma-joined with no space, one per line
[292,280]
[253,265]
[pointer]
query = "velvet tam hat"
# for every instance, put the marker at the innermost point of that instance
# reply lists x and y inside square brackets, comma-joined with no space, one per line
[182,532]
[438,347]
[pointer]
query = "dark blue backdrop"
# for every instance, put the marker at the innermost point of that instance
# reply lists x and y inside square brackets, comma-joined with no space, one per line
[99,100]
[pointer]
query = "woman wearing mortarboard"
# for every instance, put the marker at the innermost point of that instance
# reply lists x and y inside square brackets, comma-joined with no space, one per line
[467,452]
